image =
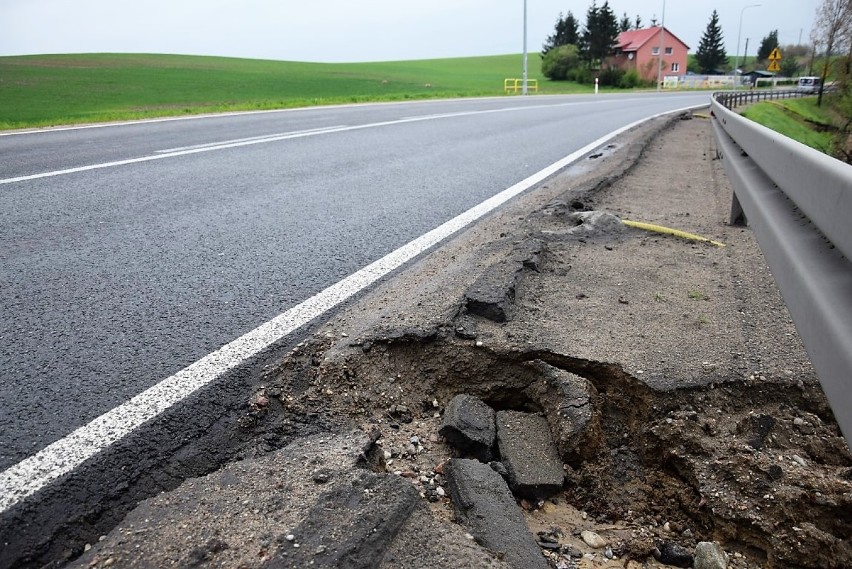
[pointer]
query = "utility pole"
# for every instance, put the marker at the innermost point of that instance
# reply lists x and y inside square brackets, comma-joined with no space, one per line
[739,33]
[660,58]
[524,90]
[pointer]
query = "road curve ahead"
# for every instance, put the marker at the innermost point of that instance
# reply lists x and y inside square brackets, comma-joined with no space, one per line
[129,252]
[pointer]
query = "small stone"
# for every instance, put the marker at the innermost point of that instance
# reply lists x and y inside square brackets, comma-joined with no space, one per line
[710,555]
[290,537]
[388,455]
[798,421]
[87,547]
[440,491]
[667,527]
[608,553]
[799,460]
[320,550]
[321,476]
[592,539]
[479,344]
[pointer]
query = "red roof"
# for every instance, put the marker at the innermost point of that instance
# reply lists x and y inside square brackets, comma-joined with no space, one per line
[632,40]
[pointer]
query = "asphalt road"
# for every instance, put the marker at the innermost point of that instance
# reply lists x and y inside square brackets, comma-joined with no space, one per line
[128,252]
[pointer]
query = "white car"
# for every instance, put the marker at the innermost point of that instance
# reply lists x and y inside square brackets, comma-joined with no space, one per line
[808,84]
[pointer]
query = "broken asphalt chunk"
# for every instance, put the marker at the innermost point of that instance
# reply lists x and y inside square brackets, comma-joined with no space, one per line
[529,455]
[468,425]
[484,504]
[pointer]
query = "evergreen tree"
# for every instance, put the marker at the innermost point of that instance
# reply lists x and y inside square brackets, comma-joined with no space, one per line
[598,38]
[768,43]
[567,32]
[625,24]
[711,50]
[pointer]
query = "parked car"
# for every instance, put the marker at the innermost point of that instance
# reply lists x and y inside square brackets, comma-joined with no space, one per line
[808,84]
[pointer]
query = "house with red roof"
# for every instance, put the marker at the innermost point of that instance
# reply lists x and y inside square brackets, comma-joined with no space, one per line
[640,50]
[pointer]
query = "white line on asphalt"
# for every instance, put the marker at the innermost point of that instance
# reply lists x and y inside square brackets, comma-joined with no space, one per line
[261,138]
[61,457]
[272,138]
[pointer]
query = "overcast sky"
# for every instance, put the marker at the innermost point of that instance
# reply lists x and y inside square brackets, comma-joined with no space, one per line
[358,30]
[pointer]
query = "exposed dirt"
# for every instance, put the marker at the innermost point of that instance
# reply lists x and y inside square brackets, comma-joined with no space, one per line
[706,421]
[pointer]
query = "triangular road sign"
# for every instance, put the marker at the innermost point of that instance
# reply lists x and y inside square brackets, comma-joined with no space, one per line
[773,66]
[775,55]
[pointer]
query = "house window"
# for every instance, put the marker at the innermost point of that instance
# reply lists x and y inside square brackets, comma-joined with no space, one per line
[675,67]
[655,51]
[668,51]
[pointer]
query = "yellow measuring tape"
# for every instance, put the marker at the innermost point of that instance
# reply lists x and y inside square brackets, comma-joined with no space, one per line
[669,231]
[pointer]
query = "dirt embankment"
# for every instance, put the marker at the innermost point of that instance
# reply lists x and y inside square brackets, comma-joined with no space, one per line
[702,418]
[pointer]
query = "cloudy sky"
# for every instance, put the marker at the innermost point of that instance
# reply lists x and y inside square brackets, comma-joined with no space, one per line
[358,30]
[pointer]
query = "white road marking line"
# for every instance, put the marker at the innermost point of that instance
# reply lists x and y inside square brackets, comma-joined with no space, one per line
[61,457]
[273,138]
[261,138]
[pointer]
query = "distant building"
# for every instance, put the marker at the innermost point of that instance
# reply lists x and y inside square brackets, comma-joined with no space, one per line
[640,50]
[751,77]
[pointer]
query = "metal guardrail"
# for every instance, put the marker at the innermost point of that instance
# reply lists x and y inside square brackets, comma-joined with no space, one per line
[733,99]
[798,202]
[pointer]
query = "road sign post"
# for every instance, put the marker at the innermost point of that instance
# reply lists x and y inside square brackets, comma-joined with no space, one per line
[774,58]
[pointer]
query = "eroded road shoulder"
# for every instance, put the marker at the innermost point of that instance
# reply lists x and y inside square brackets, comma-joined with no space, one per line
[669,376]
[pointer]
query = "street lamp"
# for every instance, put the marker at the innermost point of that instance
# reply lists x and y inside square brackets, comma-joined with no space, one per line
[524,90]
[739,33]
[660,55]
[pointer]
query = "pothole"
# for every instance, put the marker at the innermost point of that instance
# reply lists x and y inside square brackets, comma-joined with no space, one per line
[757,466]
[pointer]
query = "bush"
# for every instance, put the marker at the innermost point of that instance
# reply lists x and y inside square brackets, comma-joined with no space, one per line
[611,77]
[630,80]
[581,75]
[557,63]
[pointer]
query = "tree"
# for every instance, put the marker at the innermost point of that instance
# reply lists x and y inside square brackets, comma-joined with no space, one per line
[832,30]
[768,44]
[711,51]
[559,61]
[625,24]
[567,32]
[598,38]
[638,24]
[789,66]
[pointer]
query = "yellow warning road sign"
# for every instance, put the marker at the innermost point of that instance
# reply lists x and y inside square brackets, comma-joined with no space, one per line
[773,66]
[775,55]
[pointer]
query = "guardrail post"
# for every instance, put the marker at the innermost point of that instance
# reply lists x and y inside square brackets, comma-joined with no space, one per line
[738,217]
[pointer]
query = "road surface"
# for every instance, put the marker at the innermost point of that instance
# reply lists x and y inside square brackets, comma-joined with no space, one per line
[128,252]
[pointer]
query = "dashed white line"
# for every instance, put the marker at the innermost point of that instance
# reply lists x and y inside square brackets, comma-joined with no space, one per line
[63,456]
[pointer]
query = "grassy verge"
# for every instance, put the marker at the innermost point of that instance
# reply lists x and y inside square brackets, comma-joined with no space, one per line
[65,89]
[799,119]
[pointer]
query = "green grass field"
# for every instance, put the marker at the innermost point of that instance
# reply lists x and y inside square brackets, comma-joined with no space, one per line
[794,118]
[47,90]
